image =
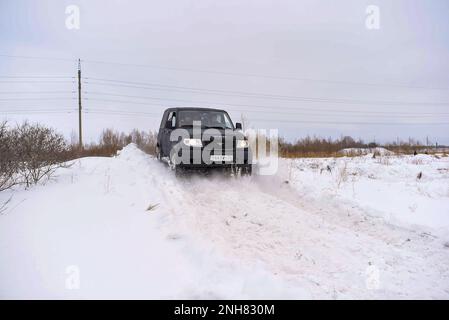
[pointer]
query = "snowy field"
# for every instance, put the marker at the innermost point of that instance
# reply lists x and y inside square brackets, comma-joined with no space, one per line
[321,228]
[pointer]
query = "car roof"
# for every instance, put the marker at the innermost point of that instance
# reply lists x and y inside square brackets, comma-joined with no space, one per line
[194,108]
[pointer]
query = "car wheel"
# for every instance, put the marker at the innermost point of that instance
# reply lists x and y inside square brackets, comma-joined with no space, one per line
[172,163]
[158,154]
[246,171]
[174,167]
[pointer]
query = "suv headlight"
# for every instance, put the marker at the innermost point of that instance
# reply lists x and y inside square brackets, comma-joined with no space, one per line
[193,142]
[242,144]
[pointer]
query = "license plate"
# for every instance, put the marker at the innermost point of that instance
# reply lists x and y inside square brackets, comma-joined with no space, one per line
[216,158]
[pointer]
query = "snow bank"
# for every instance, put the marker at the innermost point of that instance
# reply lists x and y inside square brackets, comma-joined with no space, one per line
[305,233]
[93,224]
[366,151]
[387,186]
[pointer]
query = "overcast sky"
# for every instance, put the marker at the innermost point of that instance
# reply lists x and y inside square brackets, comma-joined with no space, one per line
[304,67]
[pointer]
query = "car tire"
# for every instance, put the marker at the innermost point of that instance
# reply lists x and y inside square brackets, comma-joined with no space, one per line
[247,170]
[158,154]
[176,168]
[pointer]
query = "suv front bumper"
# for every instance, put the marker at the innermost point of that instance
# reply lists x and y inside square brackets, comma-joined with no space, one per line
[196,159]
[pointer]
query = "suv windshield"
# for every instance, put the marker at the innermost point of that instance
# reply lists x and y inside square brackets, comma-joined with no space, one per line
[208,118]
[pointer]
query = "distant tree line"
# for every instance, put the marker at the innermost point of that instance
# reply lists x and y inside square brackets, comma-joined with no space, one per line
[319,147]
[30,153]
[322,147]
[111,141]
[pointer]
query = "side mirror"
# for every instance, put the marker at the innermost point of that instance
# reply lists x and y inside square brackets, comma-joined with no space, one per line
[238,126]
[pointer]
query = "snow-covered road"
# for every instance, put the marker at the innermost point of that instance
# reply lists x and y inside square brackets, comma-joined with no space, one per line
[303,233]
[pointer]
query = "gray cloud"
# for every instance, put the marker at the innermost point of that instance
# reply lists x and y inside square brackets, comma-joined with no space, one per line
[324,45]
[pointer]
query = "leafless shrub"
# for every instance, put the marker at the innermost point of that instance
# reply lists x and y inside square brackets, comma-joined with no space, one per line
[3,206]
[40,151]
[112,141]
[8,158]
[342,175]
[384,160]
[29,153]
[328,169]
[146,141]
[417,161]
[152,207]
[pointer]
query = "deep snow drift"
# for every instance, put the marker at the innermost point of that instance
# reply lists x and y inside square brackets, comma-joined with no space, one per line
[321,228]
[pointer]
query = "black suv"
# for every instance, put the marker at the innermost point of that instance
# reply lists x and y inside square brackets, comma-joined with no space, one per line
[201,139]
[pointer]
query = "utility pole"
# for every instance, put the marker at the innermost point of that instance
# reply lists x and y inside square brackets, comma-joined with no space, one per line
[80,128]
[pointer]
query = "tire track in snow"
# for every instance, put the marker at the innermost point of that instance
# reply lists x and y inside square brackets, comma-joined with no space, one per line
[326,246]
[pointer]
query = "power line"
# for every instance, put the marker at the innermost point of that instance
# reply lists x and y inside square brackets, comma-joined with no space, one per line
[40,81]
[109,111]
[272,108]
[234,74]
[34,99]
[35,92]
[120,115]
[153,86]
[116,111]
[34,108]
[118,101]
[353,122]
[268,96]
[37,111]
[138,114]
[37,58]
[294,113]
[277,77]
[36,77]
